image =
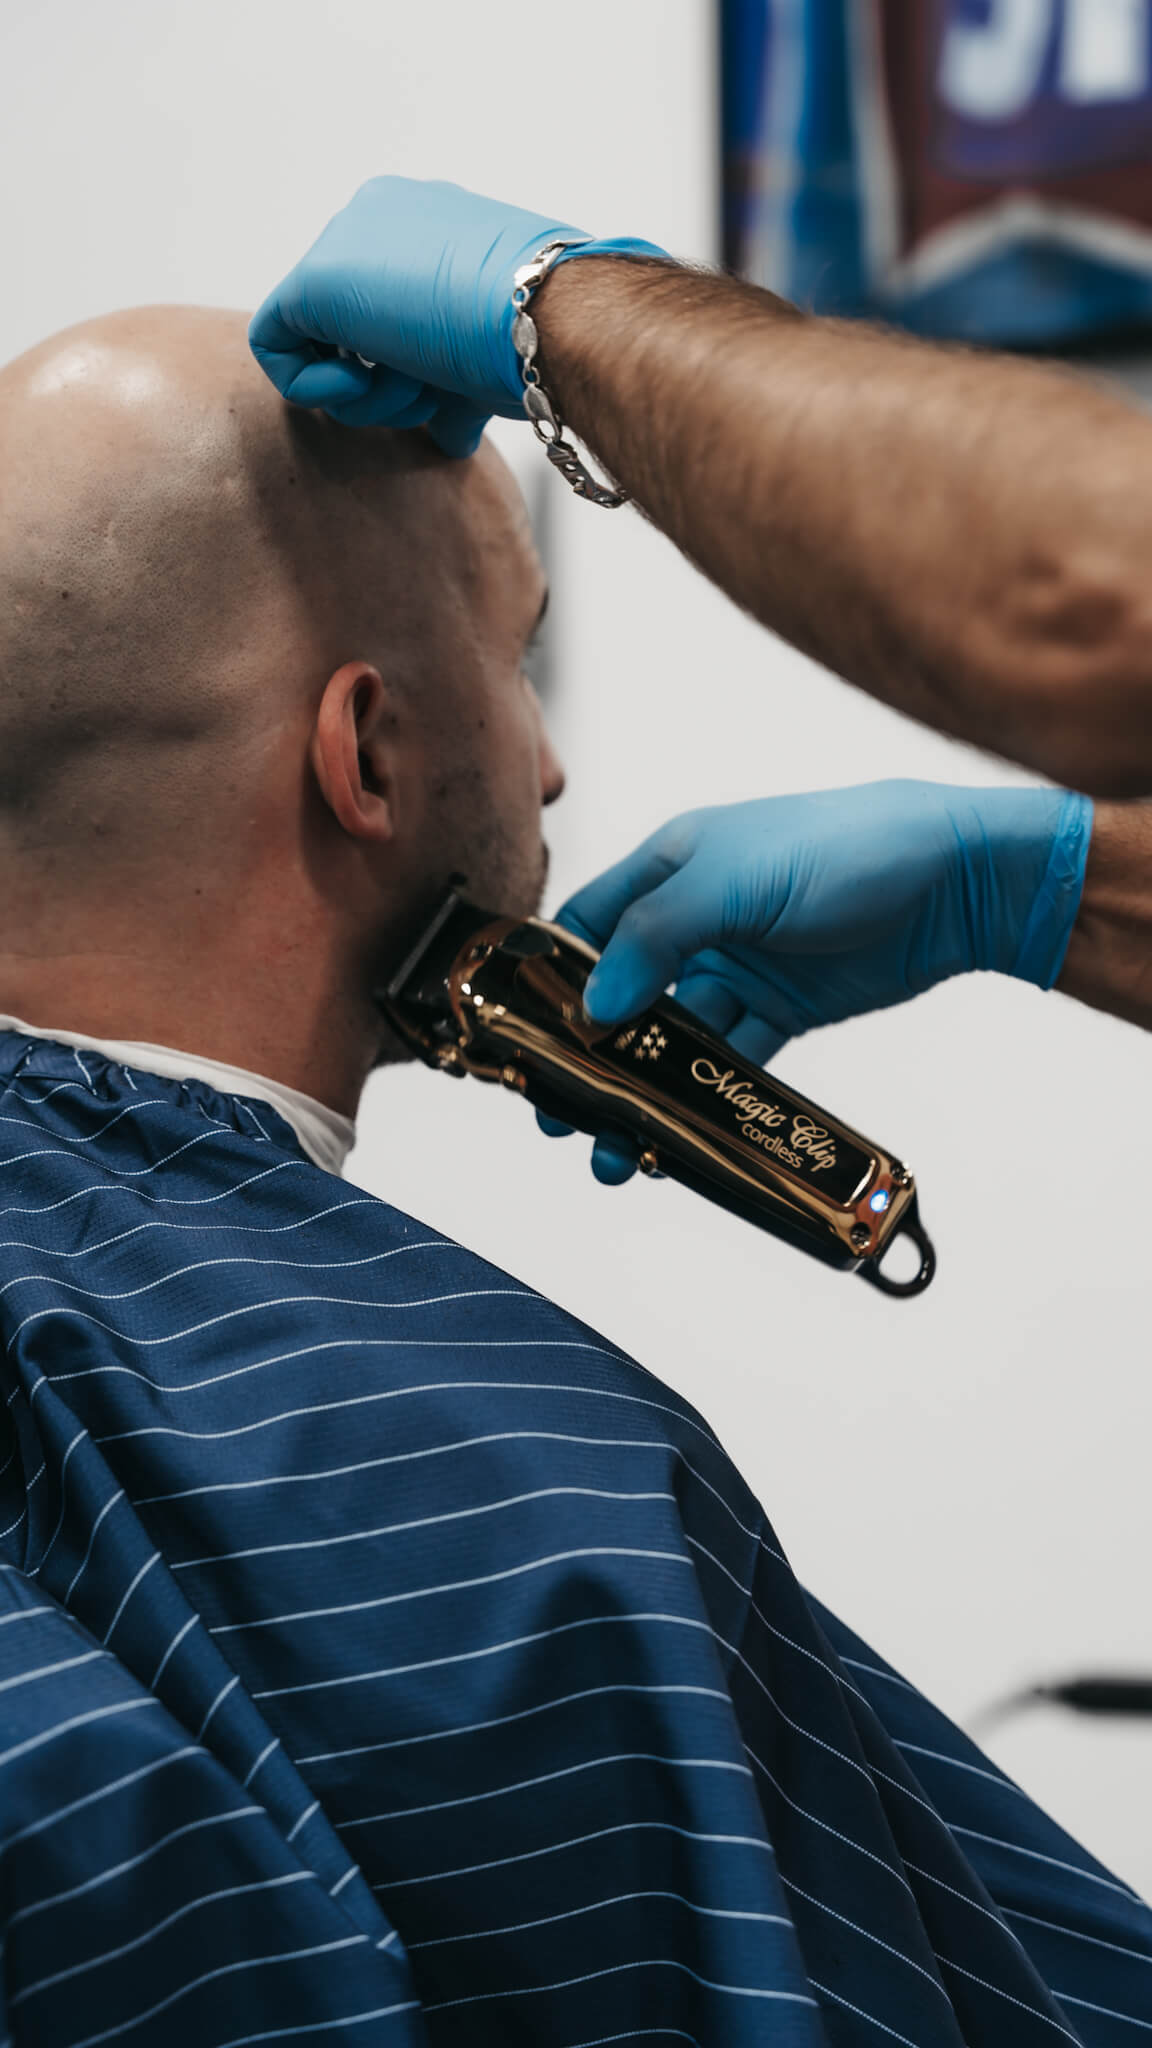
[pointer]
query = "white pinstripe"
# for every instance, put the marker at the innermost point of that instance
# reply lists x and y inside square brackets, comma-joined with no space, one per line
[467,1443]
[1077,1933]
[627,1827]
[848,2006]
[640,2034]
[826,1826]
[36,1827]
[84,1251]
[516,1571]
[38,1101]
[973,1905]
[1066,1998]
[801,1649]
[1033,2011]
[490,1650]
[958,1764]
[265,1753]
[322,1948]
[47,1670]
[501,1720]
[67,1142]
[23,1614]
[64,1146]
[614,1969]
[596,1906]
[874,1671]
[177,1639]
[592,1763]
[238,1259]
[118,1495]
[294,1830]
[352,2019]
[340,1883]
[220,1697]
[114,1870]
[823,1907]
[77,1439]
[144,1569]
[511,1500]
[113,1955]
[149,1380]
[249,1308]
[290,1414]
[46,1735]
[1036,1856]
[141,1194]
[487,1385]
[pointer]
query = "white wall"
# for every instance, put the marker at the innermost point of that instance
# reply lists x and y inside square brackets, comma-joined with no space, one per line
[964,1477]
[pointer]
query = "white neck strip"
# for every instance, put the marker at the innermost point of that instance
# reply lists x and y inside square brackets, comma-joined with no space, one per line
[326,1136]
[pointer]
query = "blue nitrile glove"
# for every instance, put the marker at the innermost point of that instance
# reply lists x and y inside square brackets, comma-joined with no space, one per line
[417,276]
[775,916]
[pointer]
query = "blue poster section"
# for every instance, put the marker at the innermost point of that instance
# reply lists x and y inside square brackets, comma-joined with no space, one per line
[980,168]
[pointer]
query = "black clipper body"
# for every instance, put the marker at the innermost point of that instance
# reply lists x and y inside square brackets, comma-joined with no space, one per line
[502,998]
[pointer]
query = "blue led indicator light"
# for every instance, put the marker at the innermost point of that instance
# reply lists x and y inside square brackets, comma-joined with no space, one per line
[879,1201]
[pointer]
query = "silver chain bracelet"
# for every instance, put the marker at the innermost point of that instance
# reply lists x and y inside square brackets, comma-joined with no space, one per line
[546,422]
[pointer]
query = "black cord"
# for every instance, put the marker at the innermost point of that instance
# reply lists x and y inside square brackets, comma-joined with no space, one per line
[1088,1695]
[1100,1695]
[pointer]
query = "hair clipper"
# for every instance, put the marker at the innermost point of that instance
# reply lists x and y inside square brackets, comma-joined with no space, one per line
[502,998]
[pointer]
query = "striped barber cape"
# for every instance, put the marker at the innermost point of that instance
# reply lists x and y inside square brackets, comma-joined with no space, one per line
[387,1659]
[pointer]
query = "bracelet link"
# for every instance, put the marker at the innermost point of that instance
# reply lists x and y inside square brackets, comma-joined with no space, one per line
[546,422]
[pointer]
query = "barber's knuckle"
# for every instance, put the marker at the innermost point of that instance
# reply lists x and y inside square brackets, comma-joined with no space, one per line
[640,922]
[680,835]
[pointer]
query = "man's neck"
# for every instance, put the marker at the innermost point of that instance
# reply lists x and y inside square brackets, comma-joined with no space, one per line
[274,1018]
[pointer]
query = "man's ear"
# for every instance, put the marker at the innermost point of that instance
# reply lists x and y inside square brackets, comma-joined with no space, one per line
[353,750]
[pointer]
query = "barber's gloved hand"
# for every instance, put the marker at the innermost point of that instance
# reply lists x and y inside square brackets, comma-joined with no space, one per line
[416,276]
[775,916]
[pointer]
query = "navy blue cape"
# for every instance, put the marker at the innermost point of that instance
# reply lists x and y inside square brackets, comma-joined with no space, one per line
[385,1658]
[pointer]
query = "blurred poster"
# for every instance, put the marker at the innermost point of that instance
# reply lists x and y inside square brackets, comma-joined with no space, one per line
[980,168]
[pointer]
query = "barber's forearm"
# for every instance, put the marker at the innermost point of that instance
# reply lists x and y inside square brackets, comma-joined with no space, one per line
[967,537]
[1109,957]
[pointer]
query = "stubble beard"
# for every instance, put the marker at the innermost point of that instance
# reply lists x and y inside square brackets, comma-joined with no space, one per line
[509,900]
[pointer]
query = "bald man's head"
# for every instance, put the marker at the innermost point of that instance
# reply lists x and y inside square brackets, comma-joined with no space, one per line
[183,559]
[261,694]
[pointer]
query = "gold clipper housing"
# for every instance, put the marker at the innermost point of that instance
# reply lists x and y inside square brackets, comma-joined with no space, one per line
[502,998]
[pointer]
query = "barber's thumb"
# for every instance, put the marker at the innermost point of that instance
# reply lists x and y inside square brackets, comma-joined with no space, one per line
[647,951]
[457,428]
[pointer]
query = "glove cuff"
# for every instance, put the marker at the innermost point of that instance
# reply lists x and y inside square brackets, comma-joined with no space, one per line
[1044,943]
[620,245]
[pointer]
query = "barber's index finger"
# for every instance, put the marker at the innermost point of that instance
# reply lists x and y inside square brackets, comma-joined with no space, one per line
[594,911]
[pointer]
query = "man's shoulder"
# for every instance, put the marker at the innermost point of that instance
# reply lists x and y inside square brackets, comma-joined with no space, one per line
[168,1239]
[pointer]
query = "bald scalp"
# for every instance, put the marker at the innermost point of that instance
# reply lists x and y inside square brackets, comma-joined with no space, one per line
[184,561]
